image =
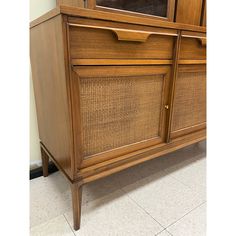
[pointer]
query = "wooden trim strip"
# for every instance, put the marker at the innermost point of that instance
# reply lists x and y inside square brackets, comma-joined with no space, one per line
[138,161]
[191,62]
[187,34]
[187,130]
[122,162]
[104,62]
[172,85]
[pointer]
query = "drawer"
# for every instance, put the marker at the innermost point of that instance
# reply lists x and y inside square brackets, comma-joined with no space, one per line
[193,46]
[114,42]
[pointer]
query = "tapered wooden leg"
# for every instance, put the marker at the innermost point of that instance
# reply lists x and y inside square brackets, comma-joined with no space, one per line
[76,191]
[45,160]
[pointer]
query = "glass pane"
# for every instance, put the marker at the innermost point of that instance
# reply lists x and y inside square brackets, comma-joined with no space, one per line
[151,7]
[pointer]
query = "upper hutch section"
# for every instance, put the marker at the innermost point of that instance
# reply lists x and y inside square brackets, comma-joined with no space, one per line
[192,12]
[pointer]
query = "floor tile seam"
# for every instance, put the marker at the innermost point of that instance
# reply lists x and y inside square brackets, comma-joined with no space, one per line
[185,215]
[69,225]
[169,232]
[163,231]
[145,211]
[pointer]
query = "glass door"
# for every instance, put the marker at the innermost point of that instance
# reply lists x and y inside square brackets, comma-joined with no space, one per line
[158,8]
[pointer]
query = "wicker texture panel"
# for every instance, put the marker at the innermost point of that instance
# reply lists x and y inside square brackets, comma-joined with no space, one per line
[118,111]
[190,100]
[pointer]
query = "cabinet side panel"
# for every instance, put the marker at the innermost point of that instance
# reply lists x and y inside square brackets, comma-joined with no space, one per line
[49,80]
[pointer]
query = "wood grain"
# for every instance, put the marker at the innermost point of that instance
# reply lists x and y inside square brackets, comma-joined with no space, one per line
[189,11]
[192,49]
[94,42]
[104,62]
[204,13]
[76,192]
[75,3]
[50,88]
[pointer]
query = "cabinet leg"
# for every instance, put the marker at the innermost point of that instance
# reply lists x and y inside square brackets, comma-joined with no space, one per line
[76,191]
[45,160]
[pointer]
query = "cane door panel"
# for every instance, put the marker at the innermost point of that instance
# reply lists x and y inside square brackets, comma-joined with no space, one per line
[189,108]
[121,109]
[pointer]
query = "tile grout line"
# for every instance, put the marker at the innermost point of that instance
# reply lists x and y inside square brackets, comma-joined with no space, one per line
[143,209]
[164,231]
[165,228]
[185,215]
[69,224]
[169,232]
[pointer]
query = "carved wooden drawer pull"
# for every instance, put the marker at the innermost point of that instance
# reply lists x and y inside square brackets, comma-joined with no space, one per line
[125,34]
[203,41]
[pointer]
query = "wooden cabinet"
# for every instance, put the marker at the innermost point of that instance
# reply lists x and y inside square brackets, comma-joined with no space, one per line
[115,88]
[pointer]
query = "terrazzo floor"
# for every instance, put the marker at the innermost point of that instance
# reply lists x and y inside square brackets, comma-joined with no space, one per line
[165,196]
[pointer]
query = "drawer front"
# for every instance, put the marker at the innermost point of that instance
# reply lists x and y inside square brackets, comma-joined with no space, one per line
[121,109]
[103,42]
[193,48]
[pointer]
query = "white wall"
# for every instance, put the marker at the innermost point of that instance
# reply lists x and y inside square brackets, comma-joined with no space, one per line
[37,8]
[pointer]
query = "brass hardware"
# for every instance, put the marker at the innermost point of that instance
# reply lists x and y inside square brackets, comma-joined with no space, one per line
[166,107]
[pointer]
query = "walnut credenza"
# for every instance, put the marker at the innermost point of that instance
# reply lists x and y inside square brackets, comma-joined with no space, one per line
[114,90]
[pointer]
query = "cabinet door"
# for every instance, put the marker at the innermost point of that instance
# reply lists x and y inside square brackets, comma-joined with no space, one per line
[189,108]
[189,11]
[144,8]
[118,109]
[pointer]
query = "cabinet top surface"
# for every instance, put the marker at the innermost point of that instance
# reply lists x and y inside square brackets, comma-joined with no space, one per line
[95,14]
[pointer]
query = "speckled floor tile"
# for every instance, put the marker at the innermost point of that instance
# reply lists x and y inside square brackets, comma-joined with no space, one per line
[193,224]
[115,214]
[164,233]
[55,227]
[163,197]
[51,196]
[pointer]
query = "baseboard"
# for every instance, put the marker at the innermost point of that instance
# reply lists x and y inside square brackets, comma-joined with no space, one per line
[37,172]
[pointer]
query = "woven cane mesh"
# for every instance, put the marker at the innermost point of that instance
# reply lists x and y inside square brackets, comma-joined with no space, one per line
[117,111]
[190,100]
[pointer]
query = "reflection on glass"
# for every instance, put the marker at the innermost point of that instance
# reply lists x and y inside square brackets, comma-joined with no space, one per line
[151,7]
